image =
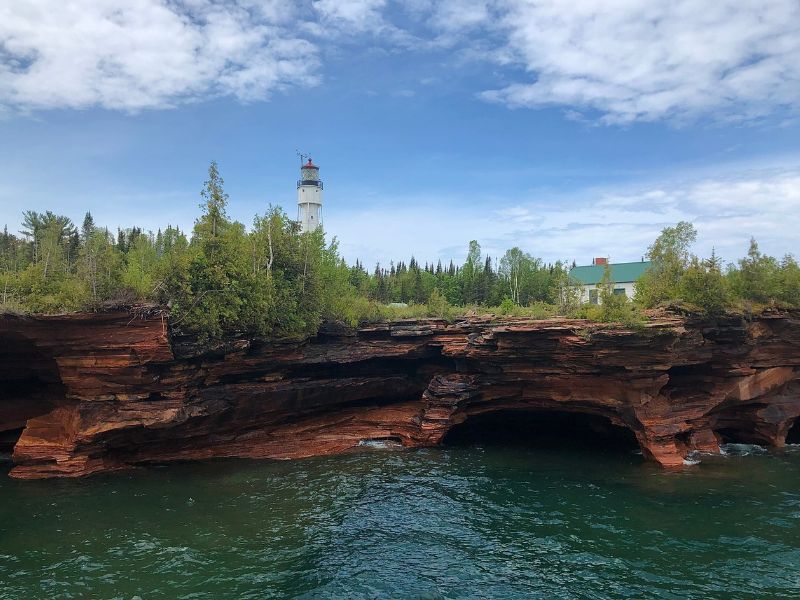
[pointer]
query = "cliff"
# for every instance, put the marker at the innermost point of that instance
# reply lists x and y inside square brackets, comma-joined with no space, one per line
[87,393]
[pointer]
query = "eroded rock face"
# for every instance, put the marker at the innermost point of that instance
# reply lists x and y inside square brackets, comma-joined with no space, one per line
[102,392]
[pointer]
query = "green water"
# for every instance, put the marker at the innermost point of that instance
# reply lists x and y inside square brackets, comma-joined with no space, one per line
[466,522]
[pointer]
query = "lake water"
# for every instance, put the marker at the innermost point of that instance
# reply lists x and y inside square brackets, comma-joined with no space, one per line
[458,522]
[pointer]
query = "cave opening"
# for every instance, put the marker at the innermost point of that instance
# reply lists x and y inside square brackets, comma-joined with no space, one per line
[742,425]
[793,436]
[31,386]
[744,434]
[543,429]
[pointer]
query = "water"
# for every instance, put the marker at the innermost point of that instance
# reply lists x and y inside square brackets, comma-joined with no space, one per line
[461,522]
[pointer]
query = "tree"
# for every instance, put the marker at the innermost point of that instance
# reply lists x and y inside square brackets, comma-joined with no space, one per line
[263,249]
[567,291]
[757,276]
[615,308]
[670,257]
[381,291]
[470,272]
[525,276]
[438,306]
[511,266]
[49,234]
[100,267]
[788,281]
[54,233]
[140,266]
[214,205]
[703,285]
[87,229]
[208,299]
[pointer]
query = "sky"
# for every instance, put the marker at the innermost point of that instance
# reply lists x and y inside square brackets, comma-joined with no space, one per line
[569,129]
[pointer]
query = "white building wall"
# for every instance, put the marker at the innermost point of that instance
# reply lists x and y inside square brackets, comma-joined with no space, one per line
[309,206]
[627,286]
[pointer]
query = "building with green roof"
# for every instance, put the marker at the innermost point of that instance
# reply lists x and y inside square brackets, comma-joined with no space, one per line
[623,276]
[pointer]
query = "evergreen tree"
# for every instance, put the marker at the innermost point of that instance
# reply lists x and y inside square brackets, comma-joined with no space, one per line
[87,228]
[214,204]
[122,240]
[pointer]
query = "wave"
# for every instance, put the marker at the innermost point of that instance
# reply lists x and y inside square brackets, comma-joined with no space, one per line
[381,443]
[741,449]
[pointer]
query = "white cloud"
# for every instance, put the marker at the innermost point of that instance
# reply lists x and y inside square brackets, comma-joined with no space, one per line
[358,14]
[726,209]
[464,14]
[147,53]
[631,60]
[616,60]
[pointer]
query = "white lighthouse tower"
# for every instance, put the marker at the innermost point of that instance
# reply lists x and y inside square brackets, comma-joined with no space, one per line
[309,197]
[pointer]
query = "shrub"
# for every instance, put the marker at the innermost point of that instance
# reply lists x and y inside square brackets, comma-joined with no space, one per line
[705,287]
[438,306]
[507,307]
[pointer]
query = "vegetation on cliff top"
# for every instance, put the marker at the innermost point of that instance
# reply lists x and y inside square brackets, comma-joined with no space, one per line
[705,285]
[271,280]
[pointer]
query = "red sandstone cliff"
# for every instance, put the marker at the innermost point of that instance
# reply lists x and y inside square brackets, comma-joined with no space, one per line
[98,392]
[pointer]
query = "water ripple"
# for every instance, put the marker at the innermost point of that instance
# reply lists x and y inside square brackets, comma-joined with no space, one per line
[436,523]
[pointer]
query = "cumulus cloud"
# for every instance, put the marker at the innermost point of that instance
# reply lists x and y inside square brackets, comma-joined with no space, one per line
[727,209]
[147,53]
[631,60]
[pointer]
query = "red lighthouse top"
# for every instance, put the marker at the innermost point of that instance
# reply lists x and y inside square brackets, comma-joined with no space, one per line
[310,165]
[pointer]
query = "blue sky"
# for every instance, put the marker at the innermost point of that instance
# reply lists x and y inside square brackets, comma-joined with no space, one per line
[570,130]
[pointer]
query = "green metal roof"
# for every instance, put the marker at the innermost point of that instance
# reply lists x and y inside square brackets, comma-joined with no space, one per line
[620,272]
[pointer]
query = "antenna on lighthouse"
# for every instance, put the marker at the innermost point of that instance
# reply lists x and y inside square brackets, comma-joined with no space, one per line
[302,156]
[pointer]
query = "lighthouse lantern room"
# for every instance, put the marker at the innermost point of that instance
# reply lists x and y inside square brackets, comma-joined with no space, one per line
[309,197]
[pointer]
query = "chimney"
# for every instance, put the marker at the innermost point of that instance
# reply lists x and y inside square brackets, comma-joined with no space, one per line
[600,261]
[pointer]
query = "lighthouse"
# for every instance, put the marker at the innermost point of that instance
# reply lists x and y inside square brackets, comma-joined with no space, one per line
[309,197]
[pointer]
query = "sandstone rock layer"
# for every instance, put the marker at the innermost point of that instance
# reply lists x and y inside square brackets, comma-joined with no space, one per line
[100,392]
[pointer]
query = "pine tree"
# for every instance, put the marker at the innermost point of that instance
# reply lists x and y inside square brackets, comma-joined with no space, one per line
[87,228]
[215,202]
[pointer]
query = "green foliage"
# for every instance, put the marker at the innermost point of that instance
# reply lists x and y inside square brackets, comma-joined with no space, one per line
[677,275]
[275,282]
[543,310]
[100,267]
[520,277]
[526,277]
[703,285]
[615,308]
[669,256]
[139,270]
[787,281]
[52,293]
[506,306]
[757,279]
[567,291]
[213,304]
[214,204]
[536,310]
[438,306]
